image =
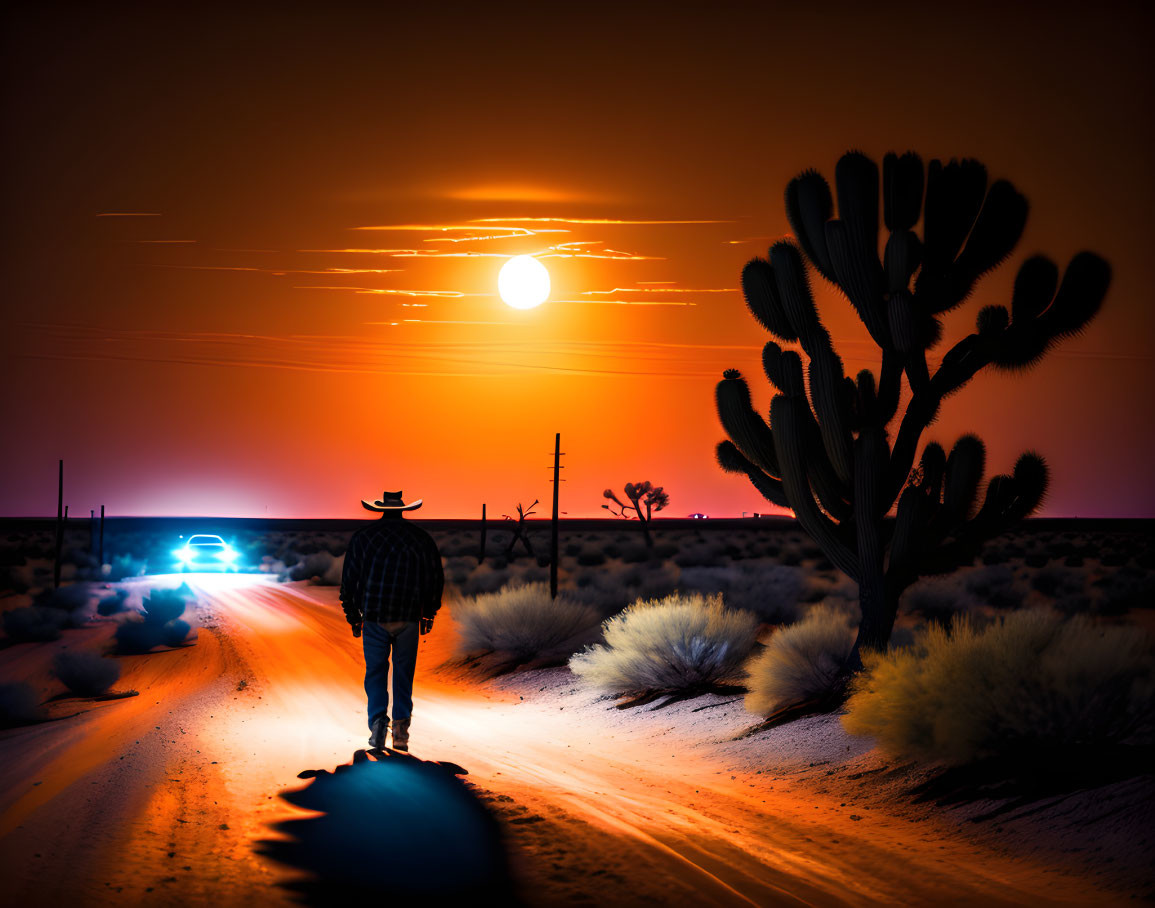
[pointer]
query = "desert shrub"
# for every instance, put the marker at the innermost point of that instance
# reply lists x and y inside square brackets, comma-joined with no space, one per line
[701,554]
[318,566]
[680,643]
[33,623]
[995,586]
[935,599]
[69,598]
[164,605]
[85,674]
[1057,582]
[19,705]
[1118,591]
[122,566]
[112,604]
[770,591]
[484,579]
[135,636]
[175,632]
[800,662]
[590,555]
[158,622]
[635,552]
[523,622]
[1029,682]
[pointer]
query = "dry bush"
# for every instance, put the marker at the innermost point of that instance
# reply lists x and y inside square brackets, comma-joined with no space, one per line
[321,568]
[33,623]
[612,588]
[485,578]
[801,662]
[85,674]
[19,705]
[770,591]
[680,643]
[158,623]
[1028,682]
[523,622]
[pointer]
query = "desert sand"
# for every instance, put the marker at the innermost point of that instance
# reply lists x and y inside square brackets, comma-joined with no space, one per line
[162,798]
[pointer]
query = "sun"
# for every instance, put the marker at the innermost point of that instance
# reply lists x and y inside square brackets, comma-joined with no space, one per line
[523,282]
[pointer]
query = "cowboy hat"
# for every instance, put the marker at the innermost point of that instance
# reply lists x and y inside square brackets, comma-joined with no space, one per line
[391,501]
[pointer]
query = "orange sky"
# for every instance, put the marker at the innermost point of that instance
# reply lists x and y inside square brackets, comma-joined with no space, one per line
[190,324]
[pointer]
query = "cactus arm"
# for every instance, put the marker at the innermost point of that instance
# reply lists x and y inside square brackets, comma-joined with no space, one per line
[809,206]
[830,407]
[788,425]
[889,385]
[745,427]
[731,460]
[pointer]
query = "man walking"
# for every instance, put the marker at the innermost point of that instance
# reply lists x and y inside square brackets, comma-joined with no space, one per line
[390,590]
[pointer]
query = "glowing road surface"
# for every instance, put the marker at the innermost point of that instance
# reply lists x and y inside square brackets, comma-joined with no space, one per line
[161,797]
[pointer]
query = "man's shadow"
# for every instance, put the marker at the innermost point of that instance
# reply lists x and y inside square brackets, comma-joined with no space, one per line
[392,826]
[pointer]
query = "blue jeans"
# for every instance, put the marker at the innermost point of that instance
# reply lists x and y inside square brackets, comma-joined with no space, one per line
[378,642]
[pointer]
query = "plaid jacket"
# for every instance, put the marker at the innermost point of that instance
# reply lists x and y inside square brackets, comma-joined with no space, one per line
[392,573]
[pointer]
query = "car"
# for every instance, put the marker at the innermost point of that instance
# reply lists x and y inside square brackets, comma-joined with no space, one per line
[699,516]
[205,552]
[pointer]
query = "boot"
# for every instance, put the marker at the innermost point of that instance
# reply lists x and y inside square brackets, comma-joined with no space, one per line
[401,734]
[379,730]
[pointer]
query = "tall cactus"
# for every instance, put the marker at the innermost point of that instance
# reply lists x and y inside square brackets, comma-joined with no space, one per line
[827,451]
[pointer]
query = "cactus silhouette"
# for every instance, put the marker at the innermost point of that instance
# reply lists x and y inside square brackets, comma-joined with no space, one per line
[827,452]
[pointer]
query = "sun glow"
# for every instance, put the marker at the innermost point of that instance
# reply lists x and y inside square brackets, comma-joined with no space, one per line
[523,282]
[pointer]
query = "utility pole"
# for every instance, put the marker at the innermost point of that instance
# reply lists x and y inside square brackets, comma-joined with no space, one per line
[102,539]
[553,528]
[481,552]
[59,527]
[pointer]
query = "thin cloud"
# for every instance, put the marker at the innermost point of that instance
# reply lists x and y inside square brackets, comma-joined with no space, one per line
[378,291]
[280,271]
[573,251]
[594,221]
[658,290]
[626,302]
[414,253]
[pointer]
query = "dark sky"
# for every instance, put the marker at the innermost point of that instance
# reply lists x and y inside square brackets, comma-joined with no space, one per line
[188,323]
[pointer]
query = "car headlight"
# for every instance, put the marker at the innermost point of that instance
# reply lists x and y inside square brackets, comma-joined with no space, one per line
[183,555]
[228,554]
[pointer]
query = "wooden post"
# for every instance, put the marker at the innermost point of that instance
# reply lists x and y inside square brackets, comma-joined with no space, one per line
[553,528]
[481,551]
[59,527]
[102,539]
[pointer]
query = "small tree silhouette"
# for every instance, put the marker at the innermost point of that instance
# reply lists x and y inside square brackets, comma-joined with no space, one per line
[826,452]
[519,530]
[640,494]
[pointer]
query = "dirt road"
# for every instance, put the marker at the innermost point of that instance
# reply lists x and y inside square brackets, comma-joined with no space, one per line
[160,799]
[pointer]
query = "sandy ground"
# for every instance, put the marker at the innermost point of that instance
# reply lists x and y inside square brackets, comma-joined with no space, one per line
[161,798]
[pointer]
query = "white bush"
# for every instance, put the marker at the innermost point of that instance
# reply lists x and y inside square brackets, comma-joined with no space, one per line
[523,622]
[801,662]
[682,642]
